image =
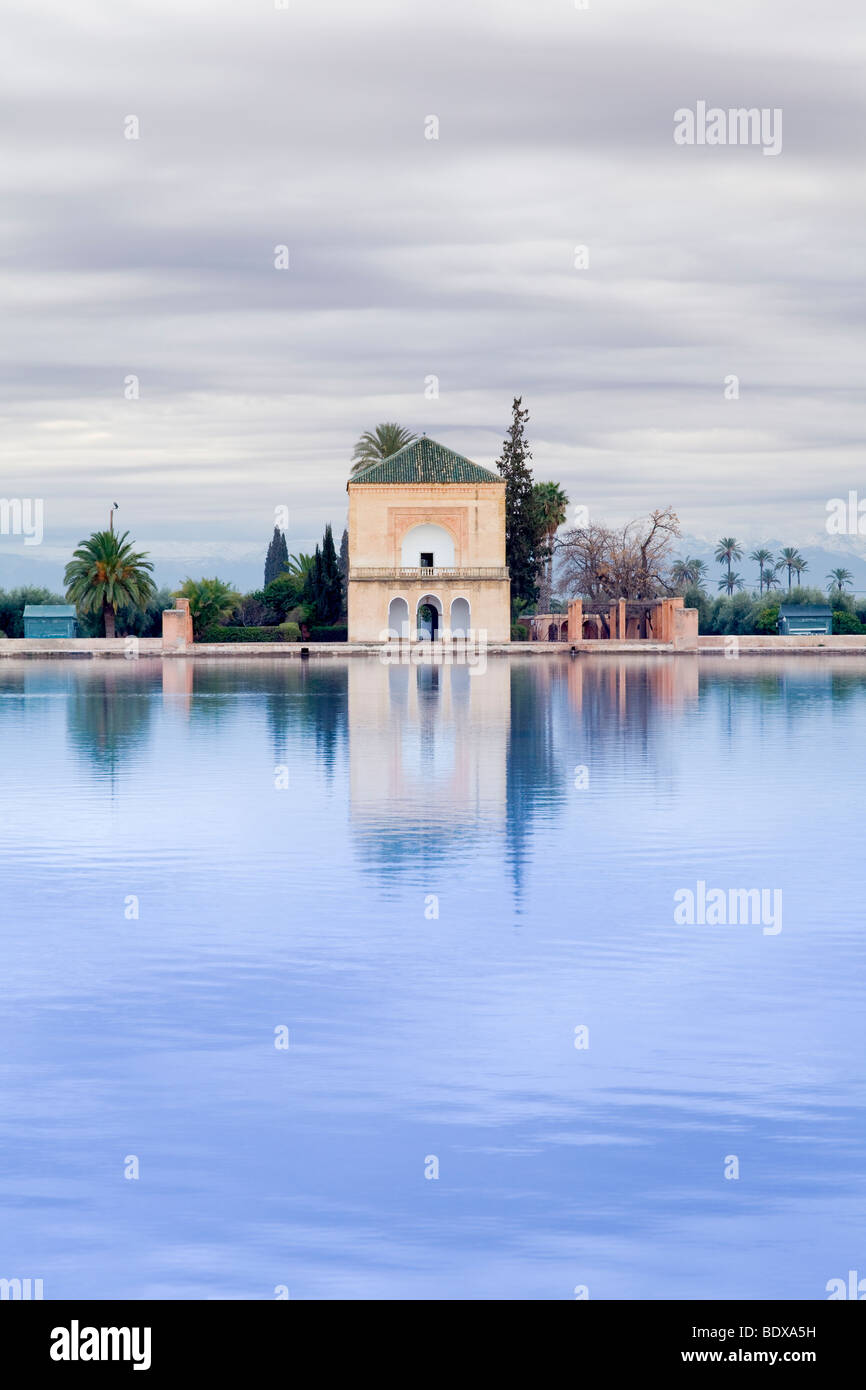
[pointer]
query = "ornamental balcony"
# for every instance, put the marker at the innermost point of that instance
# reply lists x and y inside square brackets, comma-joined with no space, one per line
[417,574]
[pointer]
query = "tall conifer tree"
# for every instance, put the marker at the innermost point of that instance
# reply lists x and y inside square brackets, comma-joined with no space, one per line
[331,603]
[277,556]
[344,567]
[523,538]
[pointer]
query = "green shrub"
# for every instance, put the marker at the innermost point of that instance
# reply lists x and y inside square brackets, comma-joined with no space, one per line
[842,602]
[282,594]
[697,598]
[519,632]
[210,601]
[845,622]
[729,615]
[338,632]
[291,632]
[767,620]
[217,633]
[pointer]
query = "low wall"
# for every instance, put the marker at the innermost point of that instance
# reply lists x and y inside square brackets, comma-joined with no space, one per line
[761,644]
[129,648]
[81,646]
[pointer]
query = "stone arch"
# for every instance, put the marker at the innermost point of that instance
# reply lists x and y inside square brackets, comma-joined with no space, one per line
[398,618]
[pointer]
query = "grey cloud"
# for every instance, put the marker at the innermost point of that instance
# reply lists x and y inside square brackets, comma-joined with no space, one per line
[411,257]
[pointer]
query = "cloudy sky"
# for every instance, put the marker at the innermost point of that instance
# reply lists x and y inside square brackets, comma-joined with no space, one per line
[410,257]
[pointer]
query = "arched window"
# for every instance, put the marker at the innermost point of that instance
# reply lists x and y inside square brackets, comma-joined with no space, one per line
[427,546]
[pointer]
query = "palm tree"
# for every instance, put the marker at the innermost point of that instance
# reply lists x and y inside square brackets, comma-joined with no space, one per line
[839,578]
[799,566]
[731,581]
[105,574]
[210,600]
[381,443]
[727,551]
[681,573]
[299,566]
[551,506]
[760,556]
[788,560]
[687,572]
[771,577]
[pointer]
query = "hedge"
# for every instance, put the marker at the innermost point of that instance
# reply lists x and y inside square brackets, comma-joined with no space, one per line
[243,634]
[286,632]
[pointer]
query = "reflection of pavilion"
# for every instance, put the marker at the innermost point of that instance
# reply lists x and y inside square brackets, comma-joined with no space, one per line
[428,748]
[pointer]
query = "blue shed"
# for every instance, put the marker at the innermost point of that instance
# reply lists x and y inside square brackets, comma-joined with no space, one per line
[50,620]
[805,619]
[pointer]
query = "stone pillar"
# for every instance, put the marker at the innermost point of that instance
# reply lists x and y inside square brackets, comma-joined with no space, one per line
[667,618]
[614,608]
[575,620]
[685,636]
[622,621]
[177,627]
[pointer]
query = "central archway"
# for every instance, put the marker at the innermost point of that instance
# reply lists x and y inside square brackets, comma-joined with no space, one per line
[428,618]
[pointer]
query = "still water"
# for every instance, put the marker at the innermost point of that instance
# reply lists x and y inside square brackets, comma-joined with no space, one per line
[462,870]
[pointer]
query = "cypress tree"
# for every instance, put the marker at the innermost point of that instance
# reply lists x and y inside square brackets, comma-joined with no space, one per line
[313,586]
[269,559]
[332,584]
[522,529]
[277,556]
[344,568]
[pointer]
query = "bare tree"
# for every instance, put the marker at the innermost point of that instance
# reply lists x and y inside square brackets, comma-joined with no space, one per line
[634,561]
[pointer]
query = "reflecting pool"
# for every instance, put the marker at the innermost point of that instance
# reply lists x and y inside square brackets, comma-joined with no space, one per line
[375,976]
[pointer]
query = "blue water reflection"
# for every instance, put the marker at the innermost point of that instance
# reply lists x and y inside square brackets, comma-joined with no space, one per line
[431,907]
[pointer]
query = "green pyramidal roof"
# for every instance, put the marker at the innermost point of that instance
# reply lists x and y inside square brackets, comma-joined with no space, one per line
[425,461]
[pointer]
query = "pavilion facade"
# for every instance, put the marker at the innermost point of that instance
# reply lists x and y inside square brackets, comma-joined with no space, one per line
[427,549]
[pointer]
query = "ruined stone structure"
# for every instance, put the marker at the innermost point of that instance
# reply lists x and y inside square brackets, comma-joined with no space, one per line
[661,620]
